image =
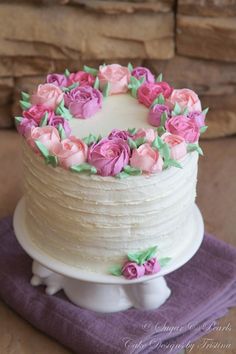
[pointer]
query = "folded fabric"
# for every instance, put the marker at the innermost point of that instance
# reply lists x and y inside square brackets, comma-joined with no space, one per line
[202,291]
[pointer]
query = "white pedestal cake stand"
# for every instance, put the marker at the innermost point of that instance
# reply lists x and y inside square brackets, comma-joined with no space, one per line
[101,292]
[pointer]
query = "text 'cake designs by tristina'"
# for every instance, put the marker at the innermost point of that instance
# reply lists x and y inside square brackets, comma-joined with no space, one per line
[110,161]
[175,114]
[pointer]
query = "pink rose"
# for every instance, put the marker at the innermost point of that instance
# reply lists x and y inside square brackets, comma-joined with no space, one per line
[177,144]
[36,113]
[132,270]
[55,121]
[116,75]
[139,72]
[198,116]
[149,91]
[47,95]
[109,156]
[71,151]
[149,134]
[25,126]
[152,266]
[185,98]
[122,134]
[183,126]
[47,135]
[147,159]
[59,80]
[83,78]
[83,101]
[154,115]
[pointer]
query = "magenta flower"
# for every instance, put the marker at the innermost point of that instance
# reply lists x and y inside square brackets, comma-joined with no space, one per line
[152,266]
[139,72]
[59,80]
[132,270]
[154,115]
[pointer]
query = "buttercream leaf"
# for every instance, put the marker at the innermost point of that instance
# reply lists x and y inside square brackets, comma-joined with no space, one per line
[44,120]
[25,96]
[115,270]
[176,110]
[42,148]
[71,87]
[96,83]
[163,118]
[90,139]
[203,129]
[66,73]
[174,163]
[185,111]
[164,261]
[90,70]
[165,151]
[140,141]
[84,167]
[52,160]
[158,143]
[205,111]
[134,257]
[159,78]
[147,254]
[161,130]
[122,175]
[18,120]
[25,105]
[161,99]
[132,131]
[106,90]
[194,147]
[132,171]
[130,67]
[61,131]
[132,143]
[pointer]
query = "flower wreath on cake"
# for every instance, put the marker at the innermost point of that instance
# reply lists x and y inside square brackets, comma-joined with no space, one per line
[175,114]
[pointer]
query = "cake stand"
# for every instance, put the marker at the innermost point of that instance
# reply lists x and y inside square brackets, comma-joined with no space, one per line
[103,292]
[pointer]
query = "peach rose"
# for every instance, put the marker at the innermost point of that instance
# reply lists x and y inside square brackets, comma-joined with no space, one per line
[177,144]
[149,134]
[147,159]
[48,95]
[116,75]
[185,98]
[47,135]
[71,151]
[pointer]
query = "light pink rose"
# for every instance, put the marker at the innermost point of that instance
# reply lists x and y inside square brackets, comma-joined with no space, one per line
[71,151]
[152,266]
[36,113]
[47,135]
[177,144]
[183,126]
[185,98]
[116,75]
[148,92]
[83,78]
[132,270]
[149,134]
[147,159]
[48,95]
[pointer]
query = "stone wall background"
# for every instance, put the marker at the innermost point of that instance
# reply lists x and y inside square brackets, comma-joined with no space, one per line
[193,43]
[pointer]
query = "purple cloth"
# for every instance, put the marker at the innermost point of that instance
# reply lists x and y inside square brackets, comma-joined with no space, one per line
[202,291]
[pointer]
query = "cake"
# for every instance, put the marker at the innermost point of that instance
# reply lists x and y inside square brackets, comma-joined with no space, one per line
[110,161]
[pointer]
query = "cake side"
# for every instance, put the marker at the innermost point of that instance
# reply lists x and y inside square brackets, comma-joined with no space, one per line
[93,222]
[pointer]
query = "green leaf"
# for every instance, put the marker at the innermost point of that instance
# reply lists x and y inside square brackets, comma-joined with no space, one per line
[61,131]
[205,111]
[194,147]
[132,143]
[132,171]
[25,105]
[141,81]
[132,131]
[147,254]
[177,109]
[115,270]
[163,118]
[130,67]
[140,141]
[161,130]
[71,87]
[158,100]
[61,110]
[44,120]
[134,257]
[90,139]
[158,143]
[25,96]
[18,120]
[159,78]
[106,90]
[90,70]
[164,261]
[52,160]
[173,163]
[96,83]
[185,111]
[203,129]
[84,167]
[122,175]
[42,148]
[165,151]
[66,73]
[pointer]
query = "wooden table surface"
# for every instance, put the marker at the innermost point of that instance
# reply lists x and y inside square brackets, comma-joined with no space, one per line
[216,199]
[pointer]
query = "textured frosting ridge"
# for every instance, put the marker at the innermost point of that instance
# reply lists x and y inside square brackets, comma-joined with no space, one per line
[92,222]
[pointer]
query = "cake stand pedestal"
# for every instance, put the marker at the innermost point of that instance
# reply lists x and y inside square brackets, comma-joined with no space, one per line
[103,292]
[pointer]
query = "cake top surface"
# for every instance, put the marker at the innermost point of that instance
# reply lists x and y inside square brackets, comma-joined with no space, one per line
[112,121]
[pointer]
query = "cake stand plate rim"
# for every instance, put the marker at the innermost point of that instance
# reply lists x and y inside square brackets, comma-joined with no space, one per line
[59,267]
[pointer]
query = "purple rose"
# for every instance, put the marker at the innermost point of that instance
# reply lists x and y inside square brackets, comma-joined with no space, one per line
[83,101]
[25,126]
[122,134]
[57,80]
[152,266]
[132,270]
[109,156]
[54,121]
[154,115]
[199,118]
[141,72]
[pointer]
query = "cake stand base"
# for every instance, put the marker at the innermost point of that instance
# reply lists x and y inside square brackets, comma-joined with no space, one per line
[101,292]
